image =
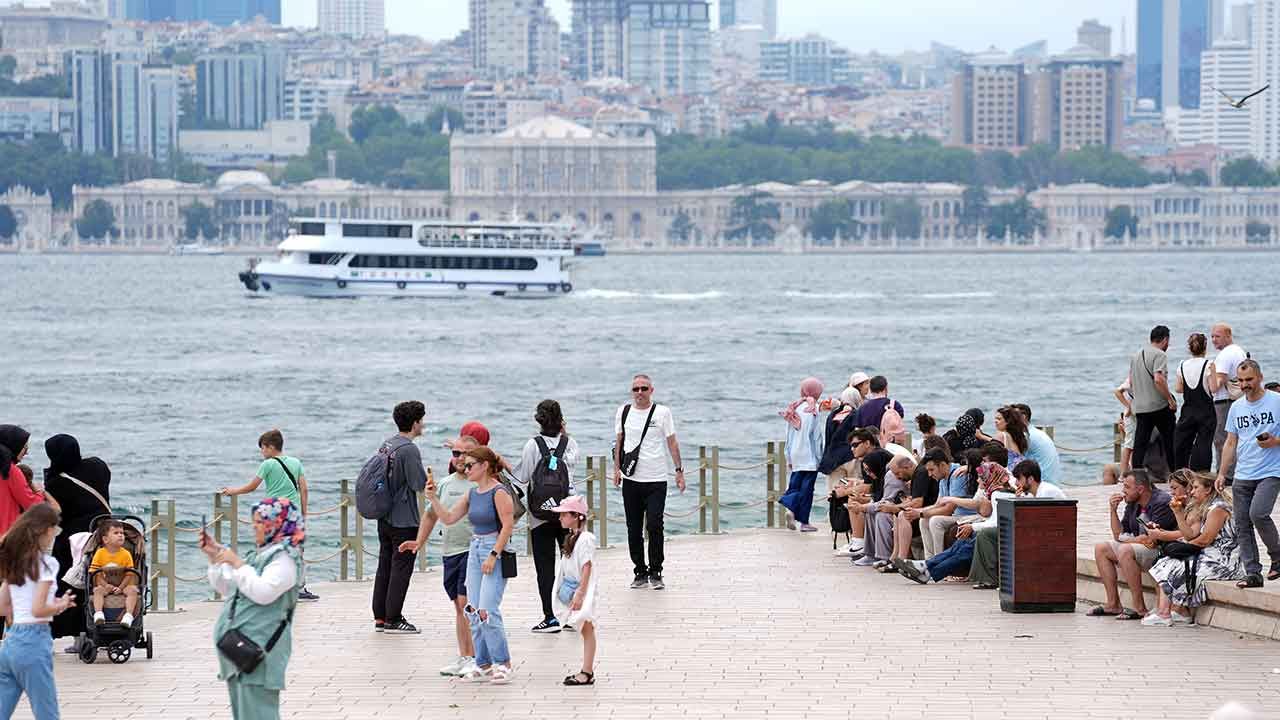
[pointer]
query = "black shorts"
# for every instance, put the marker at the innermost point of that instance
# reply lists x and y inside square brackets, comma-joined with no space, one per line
[455,575]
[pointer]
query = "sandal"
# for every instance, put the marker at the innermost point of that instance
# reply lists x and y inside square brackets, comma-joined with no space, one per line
[1250,581]
[1275,572]
[986,586]
[1128,614]
[1101,611]
[573,681]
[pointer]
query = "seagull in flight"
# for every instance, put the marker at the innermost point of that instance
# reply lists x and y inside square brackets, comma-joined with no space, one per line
[1240,103]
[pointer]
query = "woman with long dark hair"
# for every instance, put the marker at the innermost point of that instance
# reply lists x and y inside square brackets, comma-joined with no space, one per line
[1012,432]
[15,494]
[82,487]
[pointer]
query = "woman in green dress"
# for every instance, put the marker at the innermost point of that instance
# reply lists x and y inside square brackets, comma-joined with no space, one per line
[262,590]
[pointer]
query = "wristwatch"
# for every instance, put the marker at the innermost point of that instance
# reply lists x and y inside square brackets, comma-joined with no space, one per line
[679,469]
[494,553]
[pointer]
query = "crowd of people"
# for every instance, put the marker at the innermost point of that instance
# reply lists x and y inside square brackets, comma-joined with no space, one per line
[925,510]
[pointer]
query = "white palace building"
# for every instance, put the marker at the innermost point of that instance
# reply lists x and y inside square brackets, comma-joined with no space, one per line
[551,169]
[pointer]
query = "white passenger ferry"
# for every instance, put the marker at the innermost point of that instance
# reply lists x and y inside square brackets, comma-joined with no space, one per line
[324,257]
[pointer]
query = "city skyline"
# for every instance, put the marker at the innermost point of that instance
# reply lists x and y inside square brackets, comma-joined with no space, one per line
[1006,24]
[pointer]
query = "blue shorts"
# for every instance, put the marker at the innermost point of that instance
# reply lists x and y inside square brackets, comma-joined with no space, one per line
[455,575]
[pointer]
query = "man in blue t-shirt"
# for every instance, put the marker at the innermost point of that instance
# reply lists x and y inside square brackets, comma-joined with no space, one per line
[1253,444]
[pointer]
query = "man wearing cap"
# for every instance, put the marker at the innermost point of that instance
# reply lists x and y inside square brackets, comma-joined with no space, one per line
[645,432]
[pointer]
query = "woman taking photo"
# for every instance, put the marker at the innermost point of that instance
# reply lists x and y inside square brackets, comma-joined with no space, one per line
[1193,435]
[264,591]
[490,511]
[82,487]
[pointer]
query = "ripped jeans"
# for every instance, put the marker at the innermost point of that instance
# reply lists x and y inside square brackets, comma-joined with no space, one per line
[484,592]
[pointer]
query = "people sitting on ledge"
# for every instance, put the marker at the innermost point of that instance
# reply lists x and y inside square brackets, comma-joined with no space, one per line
[985,572]
[955,481]
[908,540]
[847,481]
[1135,543]
[1208,550]
[887,492]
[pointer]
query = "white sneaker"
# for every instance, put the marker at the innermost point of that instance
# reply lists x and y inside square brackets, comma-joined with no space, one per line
[849,550]
[126,620]
[501,674]
[457,667]
[864,561]
[99,618]
[1154,620]
[1180,619]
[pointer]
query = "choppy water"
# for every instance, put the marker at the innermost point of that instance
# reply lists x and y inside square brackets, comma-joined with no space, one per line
[168,370]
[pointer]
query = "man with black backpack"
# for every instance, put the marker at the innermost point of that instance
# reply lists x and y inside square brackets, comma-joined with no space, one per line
[284,478]
[545,471]
[397,476]
[645,432]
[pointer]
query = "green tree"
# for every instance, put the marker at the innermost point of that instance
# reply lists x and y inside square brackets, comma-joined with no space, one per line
[1197,178]
[1019,218]
[975,207]
[752,216]
[682,228]
[833,220]
[200,221]
[380,119]
[1121,220]
[1247,172]
[97,222]
[435,119]
[1257,232]
[8,224]
[903,218]
[188,171]
[8,66]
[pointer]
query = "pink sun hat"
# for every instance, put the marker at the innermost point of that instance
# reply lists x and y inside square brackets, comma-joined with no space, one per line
[572,504]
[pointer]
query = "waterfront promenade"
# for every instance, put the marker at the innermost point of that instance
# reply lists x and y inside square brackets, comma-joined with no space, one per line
[755,623]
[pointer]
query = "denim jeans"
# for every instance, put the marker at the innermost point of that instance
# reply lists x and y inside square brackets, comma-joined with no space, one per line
[955,560]
[484,592]
[26,665]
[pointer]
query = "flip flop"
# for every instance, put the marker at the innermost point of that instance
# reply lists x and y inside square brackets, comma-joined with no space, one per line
[1274,574]
[1128,614]
[1250,581]
[1100,611]
[573,681]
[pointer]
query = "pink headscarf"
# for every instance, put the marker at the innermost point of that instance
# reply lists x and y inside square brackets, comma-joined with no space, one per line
[810,391]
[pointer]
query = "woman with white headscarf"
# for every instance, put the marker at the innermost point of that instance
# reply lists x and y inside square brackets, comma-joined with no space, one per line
[805,439]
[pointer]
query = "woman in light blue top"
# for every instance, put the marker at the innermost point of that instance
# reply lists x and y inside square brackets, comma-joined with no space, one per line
[805,440]
[491,512]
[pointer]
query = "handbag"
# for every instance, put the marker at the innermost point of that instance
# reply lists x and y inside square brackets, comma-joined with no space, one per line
[1180,550]
[74,576]
[568,586]
[627,461]
[507,559]
[240,650]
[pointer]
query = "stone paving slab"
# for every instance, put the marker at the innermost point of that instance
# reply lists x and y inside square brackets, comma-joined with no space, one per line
[753,624]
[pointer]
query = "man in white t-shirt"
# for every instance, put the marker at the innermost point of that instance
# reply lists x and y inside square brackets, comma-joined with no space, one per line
[644,438]
[1222,381]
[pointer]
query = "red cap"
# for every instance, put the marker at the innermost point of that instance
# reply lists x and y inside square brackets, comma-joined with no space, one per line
[475,430]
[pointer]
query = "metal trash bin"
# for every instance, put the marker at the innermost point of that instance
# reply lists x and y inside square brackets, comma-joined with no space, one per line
[1037,555]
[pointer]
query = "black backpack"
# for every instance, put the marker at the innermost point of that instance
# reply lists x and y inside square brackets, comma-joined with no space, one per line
[549,484]
[838,514]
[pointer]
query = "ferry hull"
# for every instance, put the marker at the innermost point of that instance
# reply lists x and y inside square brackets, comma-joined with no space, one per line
[265,283]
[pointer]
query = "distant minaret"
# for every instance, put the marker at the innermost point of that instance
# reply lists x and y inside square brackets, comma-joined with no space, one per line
[1124,38]
[444,125]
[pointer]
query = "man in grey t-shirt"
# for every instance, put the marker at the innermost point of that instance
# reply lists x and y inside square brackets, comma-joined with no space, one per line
[407,478]
[1153,405]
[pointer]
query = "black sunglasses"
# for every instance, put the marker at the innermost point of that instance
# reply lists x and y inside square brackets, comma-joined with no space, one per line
[457,453]
[467,466]
[641,388]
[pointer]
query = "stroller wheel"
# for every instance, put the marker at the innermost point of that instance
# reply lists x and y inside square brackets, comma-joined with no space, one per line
[119,651]
[150,646]
[88,651]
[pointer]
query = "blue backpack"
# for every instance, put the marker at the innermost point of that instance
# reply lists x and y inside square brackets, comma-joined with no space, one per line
[374,497]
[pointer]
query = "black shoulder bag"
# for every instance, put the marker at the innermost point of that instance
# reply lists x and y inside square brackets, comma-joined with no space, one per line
[629,460]
[241,650]
[292,479]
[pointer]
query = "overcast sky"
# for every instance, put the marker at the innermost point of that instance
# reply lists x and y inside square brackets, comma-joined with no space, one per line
[861,25]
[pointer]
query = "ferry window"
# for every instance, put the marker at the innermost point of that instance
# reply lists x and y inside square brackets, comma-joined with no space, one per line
[325,258]
[311,228]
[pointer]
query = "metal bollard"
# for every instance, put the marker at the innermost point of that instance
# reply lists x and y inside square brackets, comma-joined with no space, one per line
[1048,430]
[1117,440]
[702,489]
[344,531]
[603,512]
[591,494]
[167,568]
[218,518]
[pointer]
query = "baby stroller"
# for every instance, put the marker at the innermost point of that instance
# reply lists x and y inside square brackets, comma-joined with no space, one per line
[118,639]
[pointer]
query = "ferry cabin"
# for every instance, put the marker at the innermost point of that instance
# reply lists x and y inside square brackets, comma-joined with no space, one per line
[328,257]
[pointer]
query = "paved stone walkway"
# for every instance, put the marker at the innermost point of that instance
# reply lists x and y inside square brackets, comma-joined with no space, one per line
[757,623]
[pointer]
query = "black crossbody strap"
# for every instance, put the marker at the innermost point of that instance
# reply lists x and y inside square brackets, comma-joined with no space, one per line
[275,636]
[286,472]
[622,444]
[647,420]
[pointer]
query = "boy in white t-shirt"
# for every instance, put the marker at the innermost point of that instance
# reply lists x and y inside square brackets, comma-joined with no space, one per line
[643,440]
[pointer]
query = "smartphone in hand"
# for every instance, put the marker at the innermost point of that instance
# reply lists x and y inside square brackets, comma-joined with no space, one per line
[1264,437]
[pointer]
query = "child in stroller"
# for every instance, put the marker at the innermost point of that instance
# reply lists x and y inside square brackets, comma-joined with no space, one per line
[110,568]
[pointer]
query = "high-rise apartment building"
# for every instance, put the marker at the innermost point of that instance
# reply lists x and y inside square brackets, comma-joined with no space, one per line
[596,38]
[514,38]
[810,60]
[1227,66]
[218,12]
[1094,34]
[123,104]
[1264,119]
[750,12]
[1079,101]
[90,91]
[240,89]
[1171,36]
[991,103]
[668,46]
[1241,22]
[356,18]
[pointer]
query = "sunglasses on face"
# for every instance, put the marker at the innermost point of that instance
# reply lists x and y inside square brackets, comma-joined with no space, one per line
[456,453]
[641,388]
[468,465]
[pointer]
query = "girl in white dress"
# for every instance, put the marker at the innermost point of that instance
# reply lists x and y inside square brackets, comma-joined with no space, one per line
[575,600]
